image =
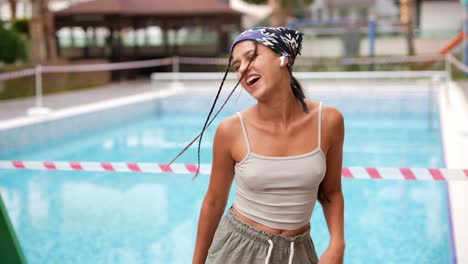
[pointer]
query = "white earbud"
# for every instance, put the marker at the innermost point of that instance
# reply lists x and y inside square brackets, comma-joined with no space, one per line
[283,60]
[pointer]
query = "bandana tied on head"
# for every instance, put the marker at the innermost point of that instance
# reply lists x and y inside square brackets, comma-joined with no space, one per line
[285,41]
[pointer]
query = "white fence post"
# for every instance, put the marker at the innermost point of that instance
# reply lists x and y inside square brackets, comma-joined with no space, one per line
[38,85]
[175,64]
[175,73]
[38,109]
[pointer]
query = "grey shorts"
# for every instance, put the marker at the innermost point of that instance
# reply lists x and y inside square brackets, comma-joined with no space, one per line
[238,242]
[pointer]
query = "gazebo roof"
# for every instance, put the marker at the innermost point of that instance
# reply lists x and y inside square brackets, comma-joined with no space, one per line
[149,8]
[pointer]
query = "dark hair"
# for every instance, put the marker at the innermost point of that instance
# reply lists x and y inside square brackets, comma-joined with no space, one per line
[208,121]
[298,92]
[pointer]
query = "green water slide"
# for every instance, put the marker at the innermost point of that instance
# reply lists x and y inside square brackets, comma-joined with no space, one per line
[10,249]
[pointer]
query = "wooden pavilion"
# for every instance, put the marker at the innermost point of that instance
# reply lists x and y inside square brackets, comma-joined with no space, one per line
[118,16]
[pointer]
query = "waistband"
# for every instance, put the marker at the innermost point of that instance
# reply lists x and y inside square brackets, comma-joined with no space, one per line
[256,234]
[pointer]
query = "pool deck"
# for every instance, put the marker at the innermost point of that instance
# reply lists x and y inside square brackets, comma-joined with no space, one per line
[454,130]
[453,109]
[17,108]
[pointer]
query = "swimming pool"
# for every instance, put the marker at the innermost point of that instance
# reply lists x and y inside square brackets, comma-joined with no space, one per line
[79,217]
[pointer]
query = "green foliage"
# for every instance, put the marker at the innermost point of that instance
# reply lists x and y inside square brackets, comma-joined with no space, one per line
[13,46]
[21,25]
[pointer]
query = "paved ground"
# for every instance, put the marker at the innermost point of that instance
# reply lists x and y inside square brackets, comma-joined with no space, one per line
[454,113]
[16,108]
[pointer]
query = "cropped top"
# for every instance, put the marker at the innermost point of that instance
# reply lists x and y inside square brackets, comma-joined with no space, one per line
[279,192]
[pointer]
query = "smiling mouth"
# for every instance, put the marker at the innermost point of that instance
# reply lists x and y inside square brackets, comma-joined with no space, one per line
[253,80]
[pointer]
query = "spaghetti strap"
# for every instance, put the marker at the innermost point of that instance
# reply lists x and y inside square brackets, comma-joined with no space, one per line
[320,126]
[244,132]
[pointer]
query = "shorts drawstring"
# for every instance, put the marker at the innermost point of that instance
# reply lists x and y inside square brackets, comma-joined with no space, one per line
[291,253]
[270,249]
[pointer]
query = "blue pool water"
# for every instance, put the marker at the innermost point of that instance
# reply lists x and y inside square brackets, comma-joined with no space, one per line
[89,217]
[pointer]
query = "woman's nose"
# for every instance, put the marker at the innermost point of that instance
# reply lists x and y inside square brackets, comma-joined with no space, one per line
[243,68]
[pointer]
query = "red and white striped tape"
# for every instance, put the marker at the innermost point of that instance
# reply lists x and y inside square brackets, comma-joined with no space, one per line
[16,74]
[107,66]
[202,60]
[86,68]
[177,168]
[189,168]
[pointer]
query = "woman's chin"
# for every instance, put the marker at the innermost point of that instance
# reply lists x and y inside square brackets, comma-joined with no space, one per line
[256,92]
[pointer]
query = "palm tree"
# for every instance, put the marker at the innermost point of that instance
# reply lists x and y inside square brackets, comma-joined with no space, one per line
[407,12]
[281,10]
[12,5]
[41,28]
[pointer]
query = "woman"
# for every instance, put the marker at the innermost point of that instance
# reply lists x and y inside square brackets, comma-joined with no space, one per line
[285,152]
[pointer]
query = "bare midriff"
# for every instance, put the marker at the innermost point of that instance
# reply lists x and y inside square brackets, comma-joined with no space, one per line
[289,233]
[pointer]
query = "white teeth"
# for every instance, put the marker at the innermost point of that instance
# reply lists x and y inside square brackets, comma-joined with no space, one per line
[252,79]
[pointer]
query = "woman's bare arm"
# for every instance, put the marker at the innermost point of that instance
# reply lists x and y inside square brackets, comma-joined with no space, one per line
[333,206]
[222,173]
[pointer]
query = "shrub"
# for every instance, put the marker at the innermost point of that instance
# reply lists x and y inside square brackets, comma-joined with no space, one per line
[21,25]
[13,46]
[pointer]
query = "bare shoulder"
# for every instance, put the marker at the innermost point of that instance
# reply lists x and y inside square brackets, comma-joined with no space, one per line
[333,125]
[228,127]
[224,141]
[332,117]
[231,126]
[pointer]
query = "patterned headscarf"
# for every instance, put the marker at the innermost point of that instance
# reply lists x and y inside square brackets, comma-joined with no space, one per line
[285,41]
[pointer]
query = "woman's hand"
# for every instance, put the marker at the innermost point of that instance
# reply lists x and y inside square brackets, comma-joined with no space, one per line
[333,255]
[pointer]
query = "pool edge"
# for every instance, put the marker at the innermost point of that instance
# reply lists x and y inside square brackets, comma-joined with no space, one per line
[453,109]
[21,131]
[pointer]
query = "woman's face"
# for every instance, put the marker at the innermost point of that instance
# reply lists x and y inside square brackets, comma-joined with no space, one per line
[264,73]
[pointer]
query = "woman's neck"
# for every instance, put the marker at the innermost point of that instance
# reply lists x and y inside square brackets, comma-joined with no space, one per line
[283,109]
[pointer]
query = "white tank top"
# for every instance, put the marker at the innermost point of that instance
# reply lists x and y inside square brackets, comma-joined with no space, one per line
[279,192]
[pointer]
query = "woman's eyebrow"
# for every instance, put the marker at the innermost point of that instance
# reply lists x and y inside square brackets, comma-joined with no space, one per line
[243,55]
